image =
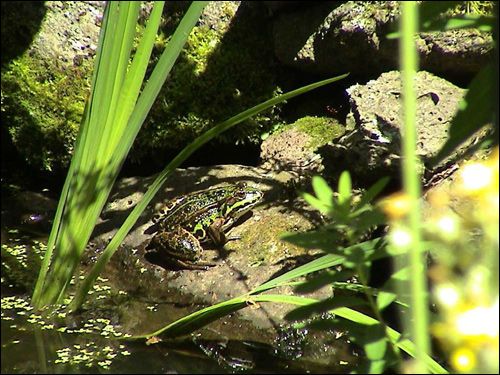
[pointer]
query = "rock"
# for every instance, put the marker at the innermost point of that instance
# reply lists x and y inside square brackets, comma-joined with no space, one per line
[45,87]
[372,149]
[240,267]
[235,270]
[332,38]
[293,147]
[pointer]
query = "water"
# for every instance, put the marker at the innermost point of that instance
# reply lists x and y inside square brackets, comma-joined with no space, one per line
[34,348]
[92,342]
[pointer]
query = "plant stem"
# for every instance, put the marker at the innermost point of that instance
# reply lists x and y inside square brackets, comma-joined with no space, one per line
[411,184]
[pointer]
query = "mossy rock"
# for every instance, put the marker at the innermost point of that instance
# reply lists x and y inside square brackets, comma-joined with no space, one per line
[294,146]
[223,70]
[44,86]
[42,106]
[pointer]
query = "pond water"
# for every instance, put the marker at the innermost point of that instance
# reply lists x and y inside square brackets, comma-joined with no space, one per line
[32,343]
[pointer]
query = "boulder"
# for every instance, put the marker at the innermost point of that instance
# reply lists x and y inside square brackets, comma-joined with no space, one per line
[373,148]
[331,38]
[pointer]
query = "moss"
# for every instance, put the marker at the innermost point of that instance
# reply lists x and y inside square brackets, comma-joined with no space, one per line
[219,73]
[42,106]
[321,129]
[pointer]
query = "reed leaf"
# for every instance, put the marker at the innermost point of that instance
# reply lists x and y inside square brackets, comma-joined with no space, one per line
[104,125]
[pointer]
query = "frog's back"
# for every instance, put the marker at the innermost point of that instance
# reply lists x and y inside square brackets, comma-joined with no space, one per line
[183,209]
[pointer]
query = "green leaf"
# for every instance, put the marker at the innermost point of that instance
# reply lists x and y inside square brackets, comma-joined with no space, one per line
[376,348]
[325,278]
[316,308]
[316,203]
[345,190]
[384,299]
[355,256]
[369,218]
[475,110]
[322,191]
[482,23]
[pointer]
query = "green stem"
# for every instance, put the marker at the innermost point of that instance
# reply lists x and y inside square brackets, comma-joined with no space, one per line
[411,183]
[363,278]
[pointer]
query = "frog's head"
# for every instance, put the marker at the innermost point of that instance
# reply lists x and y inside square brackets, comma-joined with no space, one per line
[242,199]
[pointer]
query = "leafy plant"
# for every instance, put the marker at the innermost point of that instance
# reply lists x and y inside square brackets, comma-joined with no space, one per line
[111,121]
[350,220]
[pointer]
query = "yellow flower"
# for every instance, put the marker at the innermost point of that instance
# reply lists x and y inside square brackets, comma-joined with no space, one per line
[396,205]
[447,294]
[400,237]
[479,321]
[476,178]
[448,226]
[463,359]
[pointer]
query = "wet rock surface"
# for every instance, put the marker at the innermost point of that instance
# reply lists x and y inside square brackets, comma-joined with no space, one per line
[242,264]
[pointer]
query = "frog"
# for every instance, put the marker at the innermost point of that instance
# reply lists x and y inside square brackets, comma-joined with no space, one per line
[187,221]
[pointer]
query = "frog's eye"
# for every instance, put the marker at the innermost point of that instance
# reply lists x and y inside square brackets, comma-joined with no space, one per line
[240,195]
[241,184]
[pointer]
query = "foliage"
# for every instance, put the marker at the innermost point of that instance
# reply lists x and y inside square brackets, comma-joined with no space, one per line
[213,79]
[352,221]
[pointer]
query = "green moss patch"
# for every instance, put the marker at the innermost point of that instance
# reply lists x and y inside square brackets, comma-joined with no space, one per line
[42,106]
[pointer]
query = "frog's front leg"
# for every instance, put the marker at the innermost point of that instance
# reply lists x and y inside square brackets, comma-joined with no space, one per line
[181,247]
[216,233]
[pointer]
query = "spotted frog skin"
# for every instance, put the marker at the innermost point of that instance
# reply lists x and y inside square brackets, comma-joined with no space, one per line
[189,220]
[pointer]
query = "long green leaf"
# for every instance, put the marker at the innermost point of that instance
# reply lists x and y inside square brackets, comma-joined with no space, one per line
[202,317]
[90,179]
[132,125]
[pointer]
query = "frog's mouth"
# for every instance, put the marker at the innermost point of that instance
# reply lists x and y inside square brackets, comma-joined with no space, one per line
[240,218]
